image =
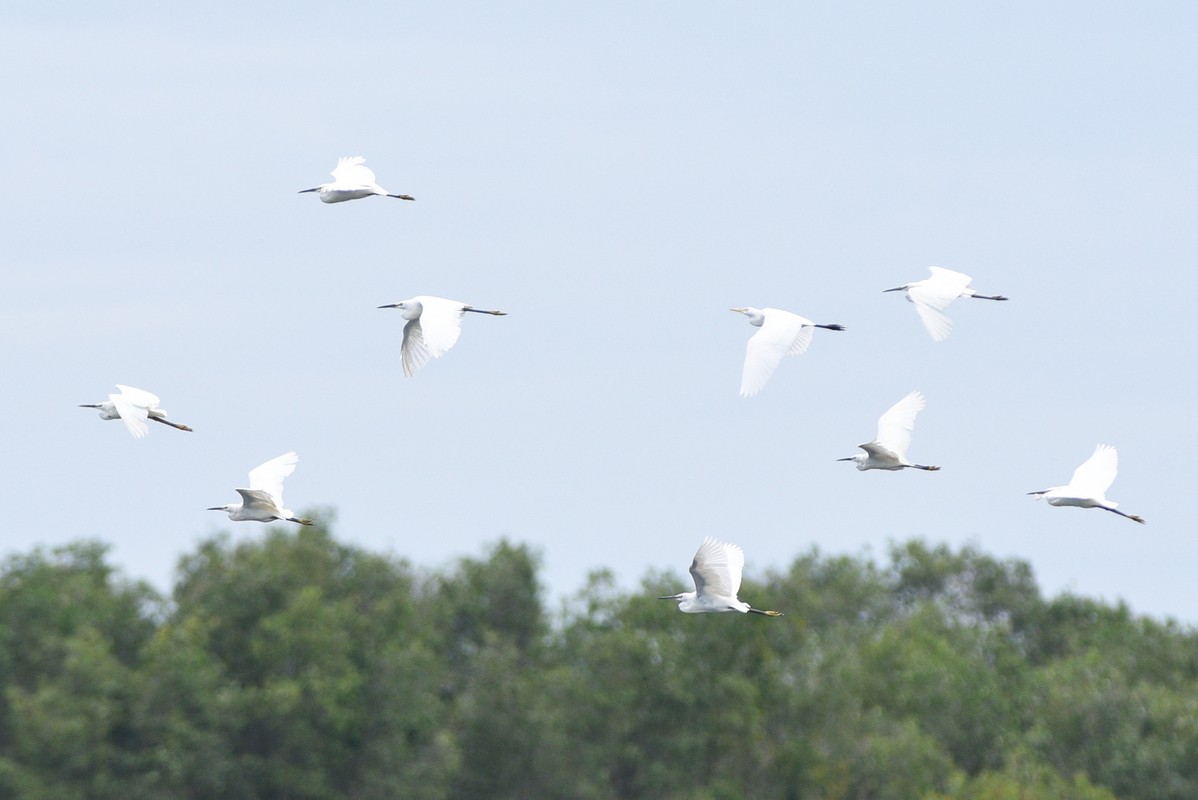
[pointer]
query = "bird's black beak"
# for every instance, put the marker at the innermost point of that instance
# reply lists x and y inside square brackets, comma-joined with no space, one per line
[895,289]
[314,189]
[390,305]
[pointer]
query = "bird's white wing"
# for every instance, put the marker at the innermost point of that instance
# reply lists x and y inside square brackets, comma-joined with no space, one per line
[933,319]
[257,499]
[781,334]
[932,296]
[802,335]
[352,169]
[879,452]
[896,425]
[412,352]
[269,477]
[134,416]
[440,323]
[717,568]
[949,278]
[139,397]
[1096,475]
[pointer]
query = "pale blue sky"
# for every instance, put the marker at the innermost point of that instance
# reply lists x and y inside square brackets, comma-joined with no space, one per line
[615,176]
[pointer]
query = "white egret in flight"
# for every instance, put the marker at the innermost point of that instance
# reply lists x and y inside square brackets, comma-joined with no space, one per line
[352,180]
[133,407]
[263,501]
[1087,488]
[434,325]
[889,450]
[781,334]
[932,295]
[716,569]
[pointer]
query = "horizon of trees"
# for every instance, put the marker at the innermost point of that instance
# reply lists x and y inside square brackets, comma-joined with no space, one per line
[295,666]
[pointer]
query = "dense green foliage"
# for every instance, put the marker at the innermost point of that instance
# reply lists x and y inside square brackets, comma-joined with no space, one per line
[297,667]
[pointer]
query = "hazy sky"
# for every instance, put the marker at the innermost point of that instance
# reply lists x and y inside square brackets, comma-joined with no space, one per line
[616,176]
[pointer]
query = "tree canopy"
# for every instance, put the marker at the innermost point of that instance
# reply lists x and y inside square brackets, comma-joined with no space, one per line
[294,666]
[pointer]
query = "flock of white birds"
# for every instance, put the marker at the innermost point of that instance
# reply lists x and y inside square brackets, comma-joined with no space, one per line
[433,326]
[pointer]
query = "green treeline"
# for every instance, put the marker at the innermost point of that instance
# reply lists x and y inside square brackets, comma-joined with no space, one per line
[294,666]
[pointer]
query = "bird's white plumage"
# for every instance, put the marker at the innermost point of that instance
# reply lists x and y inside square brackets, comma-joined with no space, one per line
[889,450]
[352,180]
[134,407]
[352,171]
[1087,488]
[268,477]
[134,415]
[433,326]
[717,568]
[932,295]
[263,500]
[1096,474]
[780,333]
[898,423]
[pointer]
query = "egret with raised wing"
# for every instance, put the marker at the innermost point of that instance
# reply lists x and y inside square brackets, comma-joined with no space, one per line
[889,450]
[133,407]
[433,327]
[716,569]
[932,295]
[781,334]
[352,180]
[263,501]
[1087,488]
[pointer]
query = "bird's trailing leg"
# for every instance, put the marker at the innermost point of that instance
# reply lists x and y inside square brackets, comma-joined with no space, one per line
[172,424]
[764,613]
[397,196]
[921,466]
[483,311]
[988,297]
[301,521]
[832,327]
[1122,514]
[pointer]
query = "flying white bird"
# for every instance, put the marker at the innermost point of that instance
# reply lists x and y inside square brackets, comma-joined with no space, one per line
[352,180]
[263,501]
[932,295]
[716,569]
[889,450]
[1087,488]
[434,325]
[781,334]
[133,407]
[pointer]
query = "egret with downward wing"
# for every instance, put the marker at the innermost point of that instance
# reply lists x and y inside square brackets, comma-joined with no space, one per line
[433,327]
[780,333]
[932,295]
[133,407]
